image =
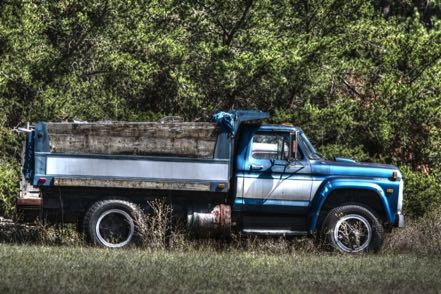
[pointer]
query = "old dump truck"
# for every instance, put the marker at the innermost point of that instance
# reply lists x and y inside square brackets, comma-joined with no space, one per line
[232,174]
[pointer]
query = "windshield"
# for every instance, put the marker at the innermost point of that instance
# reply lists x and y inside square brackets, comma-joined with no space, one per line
[312,153]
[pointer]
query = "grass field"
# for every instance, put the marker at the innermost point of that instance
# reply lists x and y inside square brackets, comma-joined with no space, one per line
[45,259]
[43,269]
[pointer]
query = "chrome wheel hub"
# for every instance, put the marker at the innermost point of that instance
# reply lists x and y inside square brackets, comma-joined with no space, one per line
[352,233]
[115,228]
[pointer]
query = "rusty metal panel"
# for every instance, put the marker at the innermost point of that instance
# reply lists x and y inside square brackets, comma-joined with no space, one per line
[222,216]
[216,221]
[132,184]
[29,201]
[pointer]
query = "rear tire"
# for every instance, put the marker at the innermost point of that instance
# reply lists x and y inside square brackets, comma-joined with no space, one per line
[112,223]
[352,229]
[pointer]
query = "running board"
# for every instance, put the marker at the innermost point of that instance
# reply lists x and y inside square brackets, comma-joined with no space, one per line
[270,232]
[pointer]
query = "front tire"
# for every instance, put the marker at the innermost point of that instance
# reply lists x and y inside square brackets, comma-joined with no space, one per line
[112,223]
[352,229]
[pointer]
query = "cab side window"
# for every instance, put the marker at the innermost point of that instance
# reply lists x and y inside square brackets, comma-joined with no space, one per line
[270,146]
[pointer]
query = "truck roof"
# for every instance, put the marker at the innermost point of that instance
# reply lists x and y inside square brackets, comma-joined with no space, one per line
[282,128]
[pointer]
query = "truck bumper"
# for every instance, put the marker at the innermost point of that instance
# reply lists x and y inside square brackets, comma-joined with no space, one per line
[31,202]
[29,208]
[399,221]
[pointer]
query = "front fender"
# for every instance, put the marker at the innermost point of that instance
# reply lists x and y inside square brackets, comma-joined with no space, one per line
[337,184]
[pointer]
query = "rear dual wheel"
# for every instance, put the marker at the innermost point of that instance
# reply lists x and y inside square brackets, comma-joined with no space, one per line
[113,223]
[352,229]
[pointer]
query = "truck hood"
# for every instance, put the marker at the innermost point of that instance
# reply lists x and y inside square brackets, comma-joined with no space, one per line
[348,167]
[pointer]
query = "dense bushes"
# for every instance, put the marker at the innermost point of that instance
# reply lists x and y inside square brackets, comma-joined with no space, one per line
[9,170]
[9,187]
[362,78]
[419,236]
[422,192]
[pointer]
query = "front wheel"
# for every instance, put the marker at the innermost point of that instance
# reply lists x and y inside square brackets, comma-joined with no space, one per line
[352,229]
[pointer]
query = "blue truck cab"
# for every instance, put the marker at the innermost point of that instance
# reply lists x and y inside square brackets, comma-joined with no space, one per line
[279,173]
[259,179]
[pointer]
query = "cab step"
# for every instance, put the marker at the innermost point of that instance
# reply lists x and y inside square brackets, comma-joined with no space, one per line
[274,232]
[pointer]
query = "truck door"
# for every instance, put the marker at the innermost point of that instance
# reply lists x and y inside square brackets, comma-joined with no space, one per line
[268,182]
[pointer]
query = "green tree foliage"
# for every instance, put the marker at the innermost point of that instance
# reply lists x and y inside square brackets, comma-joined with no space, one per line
[422,191]
[362,78]
[8,186]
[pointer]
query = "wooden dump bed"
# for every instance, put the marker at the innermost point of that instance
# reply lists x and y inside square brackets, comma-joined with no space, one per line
[180,139]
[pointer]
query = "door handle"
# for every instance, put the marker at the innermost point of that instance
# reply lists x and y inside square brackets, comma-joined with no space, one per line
[256,167]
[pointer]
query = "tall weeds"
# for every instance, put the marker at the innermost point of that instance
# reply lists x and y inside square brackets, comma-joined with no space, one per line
[422,235]
[154,227]
[157,231]
[40,233]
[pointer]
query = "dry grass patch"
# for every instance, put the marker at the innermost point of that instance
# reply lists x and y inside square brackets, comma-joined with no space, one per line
[422,236]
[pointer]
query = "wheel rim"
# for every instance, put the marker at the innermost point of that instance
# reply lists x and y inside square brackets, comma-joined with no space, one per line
[352,233]
[115,228]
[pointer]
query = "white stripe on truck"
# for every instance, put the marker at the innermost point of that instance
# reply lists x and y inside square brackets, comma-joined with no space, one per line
[139,168]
